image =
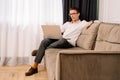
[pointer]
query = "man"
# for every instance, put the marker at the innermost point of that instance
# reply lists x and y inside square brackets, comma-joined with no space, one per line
[71,31]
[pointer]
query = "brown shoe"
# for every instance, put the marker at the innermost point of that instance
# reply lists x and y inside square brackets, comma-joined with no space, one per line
[31,71]
[34,52]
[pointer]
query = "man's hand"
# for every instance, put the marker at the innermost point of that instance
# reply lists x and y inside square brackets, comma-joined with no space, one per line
[88,24]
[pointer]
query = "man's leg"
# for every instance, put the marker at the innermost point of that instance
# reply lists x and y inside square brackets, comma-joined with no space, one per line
[40,53]
[50,43]
[61,43]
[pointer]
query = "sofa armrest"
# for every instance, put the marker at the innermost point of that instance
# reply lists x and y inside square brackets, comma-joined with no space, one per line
[88,65]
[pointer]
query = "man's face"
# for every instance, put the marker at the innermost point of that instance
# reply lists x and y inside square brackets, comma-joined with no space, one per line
[74,15]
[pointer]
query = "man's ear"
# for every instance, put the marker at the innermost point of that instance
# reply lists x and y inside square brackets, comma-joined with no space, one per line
[78,14]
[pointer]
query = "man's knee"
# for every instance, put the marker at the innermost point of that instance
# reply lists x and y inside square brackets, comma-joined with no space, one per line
[45,40]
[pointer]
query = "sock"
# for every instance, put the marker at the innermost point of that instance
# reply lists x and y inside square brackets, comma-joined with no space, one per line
[35,65]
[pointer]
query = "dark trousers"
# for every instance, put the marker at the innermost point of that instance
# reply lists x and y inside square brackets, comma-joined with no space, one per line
[50,43]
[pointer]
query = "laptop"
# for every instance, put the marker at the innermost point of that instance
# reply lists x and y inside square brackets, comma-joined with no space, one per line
[51,31]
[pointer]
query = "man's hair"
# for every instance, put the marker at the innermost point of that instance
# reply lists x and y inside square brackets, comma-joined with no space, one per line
[75,8]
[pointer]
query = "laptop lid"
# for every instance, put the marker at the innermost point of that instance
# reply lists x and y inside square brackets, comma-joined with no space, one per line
[51,31]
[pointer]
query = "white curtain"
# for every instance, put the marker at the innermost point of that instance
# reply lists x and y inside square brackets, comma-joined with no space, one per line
[109,11]
[20,30]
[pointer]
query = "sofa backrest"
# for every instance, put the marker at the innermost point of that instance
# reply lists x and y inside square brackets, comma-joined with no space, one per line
[108,38]
[87,37]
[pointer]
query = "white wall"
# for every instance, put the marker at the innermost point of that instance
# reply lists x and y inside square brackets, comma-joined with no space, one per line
[109,11]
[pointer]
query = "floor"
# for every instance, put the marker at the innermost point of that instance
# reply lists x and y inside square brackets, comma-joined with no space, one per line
[18,73]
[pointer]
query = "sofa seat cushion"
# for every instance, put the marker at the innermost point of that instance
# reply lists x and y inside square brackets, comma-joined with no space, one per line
[87,37]
[50,60]
[108,38]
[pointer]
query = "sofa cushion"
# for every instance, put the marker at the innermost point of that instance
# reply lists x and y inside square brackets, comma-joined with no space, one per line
[108,38]
[87,37]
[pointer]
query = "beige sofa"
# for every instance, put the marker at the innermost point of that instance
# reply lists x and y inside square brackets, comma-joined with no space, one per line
[96,57]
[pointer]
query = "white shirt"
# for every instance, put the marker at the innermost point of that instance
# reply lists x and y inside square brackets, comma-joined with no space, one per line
[71,31]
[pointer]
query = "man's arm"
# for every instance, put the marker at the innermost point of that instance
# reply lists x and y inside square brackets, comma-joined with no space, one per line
[88,24]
